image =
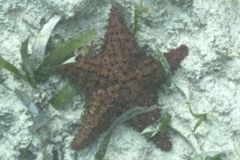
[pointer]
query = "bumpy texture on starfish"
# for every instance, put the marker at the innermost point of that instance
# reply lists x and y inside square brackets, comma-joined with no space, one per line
[116,79]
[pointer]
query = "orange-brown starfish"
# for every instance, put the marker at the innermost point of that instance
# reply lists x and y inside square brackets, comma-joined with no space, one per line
[116,79]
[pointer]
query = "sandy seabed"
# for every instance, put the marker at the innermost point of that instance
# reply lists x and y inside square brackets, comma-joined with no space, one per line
[208,79]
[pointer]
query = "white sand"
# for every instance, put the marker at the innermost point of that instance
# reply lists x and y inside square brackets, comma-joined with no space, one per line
[208,79]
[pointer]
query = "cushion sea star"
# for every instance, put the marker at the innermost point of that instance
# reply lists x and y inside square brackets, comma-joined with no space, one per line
[116,79]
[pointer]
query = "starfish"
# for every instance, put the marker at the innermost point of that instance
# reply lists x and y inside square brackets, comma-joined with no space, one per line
[118,78]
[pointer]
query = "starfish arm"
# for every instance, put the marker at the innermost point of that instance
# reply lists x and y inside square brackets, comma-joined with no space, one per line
[88,60]
[90,121]
[102,66]
[118,41]
[88,64]
[74,73]
[96,116]
[175,56]
[161,140]
[83,75]
[69,70]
